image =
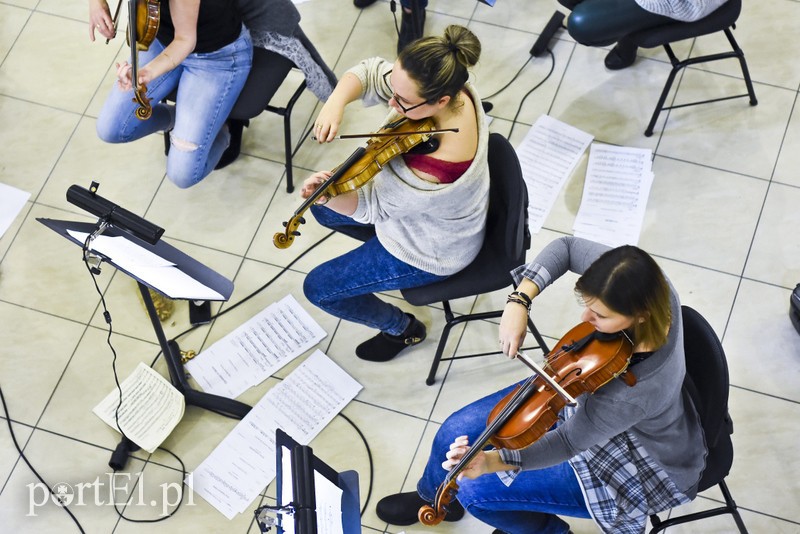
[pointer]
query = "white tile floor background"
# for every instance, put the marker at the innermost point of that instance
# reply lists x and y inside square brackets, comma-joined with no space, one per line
[722,221]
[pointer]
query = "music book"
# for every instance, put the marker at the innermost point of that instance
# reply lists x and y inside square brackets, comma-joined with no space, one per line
[151,408]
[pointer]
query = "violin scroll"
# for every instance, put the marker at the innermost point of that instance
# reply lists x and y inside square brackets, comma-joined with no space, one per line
[286,238]
[145,110]
[429,515]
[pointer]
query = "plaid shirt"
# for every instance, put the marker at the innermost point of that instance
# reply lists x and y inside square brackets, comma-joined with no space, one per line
[621,483]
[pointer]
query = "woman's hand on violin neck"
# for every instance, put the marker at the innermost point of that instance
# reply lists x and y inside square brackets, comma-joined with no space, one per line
[312,183]
[483,463]
[100,19]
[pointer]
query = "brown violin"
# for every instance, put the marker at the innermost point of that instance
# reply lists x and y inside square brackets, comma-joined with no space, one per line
[144,17]
[389,142]
[583,361]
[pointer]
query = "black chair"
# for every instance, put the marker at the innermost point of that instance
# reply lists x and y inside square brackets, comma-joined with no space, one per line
[722,19]
[707,384]
[507,239]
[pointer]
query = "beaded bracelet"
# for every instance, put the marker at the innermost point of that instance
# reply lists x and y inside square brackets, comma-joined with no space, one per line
[519,301]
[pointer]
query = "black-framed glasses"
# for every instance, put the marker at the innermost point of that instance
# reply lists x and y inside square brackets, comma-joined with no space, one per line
[397,97]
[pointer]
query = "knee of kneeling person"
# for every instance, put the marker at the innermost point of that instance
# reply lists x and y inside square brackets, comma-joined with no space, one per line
[180,171]
[579,26]
[108,131]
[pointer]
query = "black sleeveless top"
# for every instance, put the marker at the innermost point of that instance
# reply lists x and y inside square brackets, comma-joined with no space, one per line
[218,24]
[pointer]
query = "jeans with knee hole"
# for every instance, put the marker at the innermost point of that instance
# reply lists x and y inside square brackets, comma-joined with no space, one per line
[529,505]
[208,86]
[345,286]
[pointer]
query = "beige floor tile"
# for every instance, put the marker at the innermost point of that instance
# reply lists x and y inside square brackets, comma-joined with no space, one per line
[775,255]
[23,507]
[760,325]
[14,20]
[789,160]
[686,207]
[28,158]
[54,52]
[10,455]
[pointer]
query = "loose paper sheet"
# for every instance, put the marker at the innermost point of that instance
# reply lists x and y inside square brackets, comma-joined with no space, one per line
[618,181]
[12,200]
[251,353]
[548,154]
[150,268]
[151,408]
[244,463]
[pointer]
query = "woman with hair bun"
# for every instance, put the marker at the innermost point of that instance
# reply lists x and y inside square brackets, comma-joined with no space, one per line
[422,218]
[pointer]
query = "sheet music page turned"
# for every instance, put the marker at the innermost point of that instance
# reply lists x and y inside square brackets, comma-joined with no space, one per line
[151,408]
[618,181]
[548,154]
[302,405]
[255,350]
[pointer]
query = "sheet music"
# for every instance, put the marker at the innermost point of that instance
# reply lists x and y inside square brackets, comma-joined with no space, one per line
[618,181]
[148,267]
[244,463]
[255,350]
[151,408]
[12,200]
[548,154]
[327,495]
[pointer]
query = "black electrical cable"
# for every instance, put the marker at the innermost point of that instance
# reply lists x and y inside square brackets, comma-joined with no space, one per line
[369,457]
[535,87]
[25,459]
[509,83]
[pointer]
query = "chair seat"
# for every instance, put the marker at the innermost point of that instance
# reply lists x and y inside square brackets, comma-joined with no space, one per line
[723,17]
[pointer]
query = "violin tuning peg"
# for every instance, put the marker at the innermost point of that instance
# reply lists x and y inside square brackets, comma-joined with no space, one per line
[296,233]
[285,224]
[302,220]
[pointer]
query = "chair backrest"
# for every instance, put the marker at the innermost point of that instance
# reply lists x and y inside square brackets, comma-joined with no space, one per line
[707,383]
[507,235]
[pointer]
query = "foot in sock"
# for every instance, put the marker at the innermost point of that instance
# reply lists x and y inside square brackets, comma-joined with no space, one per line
[402,509]
[384,347]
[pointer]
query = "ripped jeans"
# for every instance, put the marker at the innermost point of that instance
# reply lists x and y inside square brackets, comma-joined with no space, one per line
[208,85]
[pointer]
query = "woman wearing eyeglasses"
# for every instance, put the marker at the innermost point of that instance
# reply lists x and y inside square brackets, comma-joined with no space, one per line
[422,218]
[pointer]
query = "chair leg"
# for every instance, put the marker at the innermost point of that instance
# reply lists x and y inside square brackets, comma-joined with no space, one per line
[287,135]
[731,504]
[448,315]
[745,72]
[663,98]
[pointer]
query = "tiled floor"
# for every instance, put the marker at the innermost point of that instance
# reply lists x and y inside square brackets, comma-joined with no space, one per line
[722,220]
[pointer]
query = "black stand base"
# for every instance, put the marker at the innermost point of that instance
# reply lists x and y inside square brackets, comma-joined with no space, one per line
[177,375]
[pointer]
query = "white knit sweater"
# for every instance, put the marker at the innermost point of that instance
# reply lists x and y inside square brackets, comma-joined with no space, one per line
[685,10]
[438,228]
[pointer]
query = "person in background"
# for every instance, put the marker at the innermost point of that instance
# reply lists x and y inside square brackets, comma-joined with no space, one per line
[604,22]
[412,20]
[201,45]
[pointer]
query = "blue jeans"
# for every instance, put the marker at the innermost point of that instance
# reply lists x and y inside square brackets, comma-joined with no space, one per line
[345,286]
[528,505]
[209,86]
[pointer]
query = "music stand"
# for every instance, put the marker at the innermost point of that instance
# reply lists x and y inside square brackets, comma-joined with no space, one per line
[304,466]
[188,266]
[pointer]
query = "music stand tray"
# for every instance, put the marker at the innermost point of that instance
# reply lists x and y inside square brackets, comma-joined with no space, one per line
[187,265]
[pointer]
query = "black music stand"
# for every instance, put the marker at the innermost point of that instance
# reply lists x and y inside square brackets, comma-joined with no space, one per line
[303,499]
[189,266]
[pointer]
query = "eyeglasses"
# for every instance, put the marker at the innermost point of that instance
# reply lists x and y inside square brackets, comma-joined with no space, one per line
[397,97]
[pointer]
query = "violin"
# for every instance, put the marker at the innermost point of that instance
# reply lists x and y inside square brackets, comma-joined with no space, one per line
[390,141]
[583,361]
[144,18]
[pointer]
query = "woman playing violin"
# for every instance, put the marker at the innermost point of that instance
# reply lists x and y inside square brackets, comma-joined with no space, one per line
[201,45]
[422,217]
[623,453]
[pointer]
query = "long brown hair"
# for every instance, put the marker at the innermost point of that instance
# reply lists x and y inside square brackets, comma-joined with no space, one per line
[630,282]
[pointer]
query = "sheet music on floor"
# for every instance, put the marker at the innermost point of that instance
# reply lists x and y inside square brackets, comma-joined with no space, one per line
[548,154]
[243,464]
[618,181]
[255,350]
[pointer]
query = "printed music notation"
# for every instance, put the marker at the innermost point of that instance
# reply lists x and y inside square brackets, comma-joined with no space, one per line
[618,181]
[255,350]
[548,154]
[242,465]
